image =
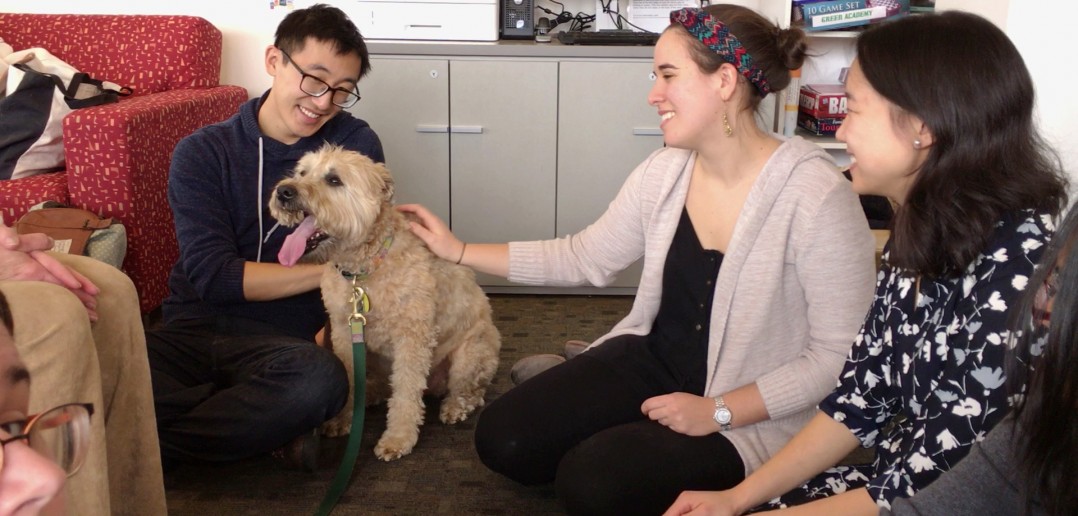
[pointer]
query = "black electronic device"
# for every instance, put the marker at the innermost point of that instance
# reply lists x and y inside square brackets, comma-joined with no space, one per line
[518,19]
[607,37]
[542,30]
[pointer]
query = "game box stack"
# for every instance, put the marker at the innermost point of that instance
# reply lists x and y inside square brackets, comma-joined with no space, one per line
[816,15]
[822,108]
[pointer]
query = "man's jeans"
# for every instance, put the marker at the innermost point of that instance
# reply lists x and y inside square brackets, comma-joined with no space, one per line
[228,388]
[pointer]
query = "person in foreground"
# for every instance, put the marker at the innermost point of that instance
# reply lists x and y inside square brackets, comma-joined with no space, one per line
[977,193]
[38,451]
[1026,464]
[236,371]
[80,334]
[757,273]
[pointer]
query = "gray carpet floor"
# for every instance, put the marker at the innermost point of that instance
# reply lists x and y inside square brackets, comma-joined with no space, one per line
[442,476]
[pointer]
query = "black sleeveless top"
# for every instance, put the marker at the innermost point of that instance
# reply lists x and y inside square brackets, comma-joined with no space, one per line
[679,335]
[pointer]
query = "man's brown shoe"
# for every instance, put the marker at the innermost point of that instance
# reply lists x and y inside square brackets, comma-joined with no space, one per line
[302,452]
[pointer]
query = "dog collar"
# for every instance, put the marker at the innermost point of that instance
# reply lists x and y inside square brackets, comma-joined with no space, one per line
[376,260]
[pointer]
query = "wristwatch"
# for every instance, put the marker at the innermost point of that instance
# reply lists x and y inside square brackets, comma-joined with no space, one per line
[723,416]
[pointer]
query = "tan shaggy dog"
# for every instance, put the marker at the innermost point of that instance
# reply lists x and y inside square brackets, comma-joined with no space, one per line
[425,313]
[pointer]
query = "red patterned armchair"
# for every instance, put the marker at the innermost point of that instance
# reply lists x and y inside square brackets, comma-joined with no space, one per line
[118,155]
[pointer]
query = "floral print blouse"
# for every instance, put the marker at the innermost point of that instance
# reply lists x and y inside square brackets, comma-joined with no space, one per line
[930,360]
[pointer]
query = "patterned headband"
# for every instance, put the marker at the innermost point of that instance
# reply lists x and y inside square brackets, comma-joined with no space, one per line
[714,34]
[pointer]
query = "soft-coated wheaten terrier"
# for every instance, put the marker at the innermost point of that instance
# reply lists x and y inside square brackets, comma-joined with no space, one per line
[425,313]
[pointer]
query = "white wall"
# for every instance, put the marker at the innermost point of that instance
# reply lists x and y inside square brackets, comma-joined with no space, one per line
[1036,26]
[1043,30]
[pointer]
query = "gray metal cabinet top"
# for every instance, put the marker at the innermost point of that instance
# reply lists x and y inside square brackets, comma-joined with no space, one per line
[505,48]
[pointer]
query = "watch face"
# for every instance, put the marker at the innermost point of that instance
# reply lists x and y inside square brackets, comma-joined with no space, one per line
[723,416]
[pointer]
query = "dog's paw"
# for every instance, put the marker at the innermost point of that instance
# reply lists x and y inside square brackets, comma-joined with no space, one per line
[456,409]
[391,448]
[339,425]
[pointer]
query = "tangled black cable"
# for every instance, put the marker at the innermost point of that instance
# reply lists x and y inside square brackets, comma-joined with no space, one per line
[616,16]
[578,21]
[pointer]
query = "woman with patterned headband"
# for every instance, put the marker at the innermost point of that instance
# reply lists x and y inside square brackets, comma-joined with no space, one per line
[977,192]
[757,273]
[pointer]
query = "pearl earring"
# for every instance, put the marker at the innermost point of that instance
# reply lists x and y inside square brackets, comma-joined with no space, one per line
[917,144]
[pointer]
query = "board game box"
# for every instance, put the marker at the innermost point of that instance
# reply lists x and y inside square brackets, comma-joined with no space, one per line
[816,15]
[823,100]
[818,126]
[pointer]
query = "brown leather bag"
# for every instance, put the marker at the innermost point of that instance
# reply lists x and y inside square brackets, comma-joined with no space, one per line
[69,227]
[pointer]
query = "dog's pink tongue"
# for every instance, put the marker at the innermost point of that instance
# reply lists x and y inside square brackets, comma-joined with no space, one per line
[296,243]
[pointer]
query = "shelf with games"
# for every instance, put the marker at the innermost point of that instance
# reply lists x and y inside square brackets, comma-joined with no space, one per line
[829,52]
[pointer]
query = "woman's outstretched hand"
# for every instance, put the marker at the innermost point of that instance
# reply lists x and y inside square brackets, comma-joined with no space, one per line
[433,232]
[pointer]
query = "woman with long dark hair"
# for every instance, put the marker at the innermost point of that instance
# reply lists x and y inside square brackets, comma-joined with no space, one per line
[977,192]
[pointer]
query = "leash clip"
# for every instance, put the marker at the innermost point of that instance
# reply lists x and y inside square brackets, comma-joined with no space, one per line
[361,304]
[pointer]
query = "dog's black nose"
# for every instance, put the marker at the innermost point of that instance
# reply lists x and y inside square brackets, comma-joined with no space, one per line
[286,192]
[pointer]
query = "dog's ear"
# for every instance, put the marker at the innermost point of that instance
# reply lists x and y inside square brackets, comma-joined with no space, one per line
[387,181]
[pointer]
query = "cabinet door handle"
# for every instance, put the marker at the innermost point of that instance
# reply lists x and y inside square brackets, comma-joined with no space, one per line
[466,129]
[647,131]
[432,128]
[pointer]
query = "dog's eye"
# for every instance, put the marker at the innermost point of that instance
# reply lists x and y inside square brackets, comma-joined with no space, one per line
[301,173]
[334,180]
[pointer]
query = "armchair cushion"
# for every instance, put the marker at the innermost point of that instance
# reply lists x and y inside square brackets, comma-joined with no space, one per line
[18,195]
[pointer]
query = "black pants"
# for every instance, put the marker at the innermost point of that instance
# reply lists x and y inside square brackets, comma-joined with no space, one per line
[579,424]
[228,388]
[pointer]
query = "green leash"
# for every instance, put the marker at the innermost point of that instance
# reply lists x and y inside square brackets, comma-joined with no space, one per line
[356,322]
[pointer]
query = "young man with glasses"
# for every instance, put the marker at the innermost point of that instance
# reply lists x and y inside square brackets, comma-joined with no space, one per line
[78,330]
[236,371]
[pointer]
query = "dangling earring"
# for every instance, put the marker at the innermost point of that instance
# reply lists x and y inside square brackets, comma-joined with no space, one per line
[917,144]
[726,126]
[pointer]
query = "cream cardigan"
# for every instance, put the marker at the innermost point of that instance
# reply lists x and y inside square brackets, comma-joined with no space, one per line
[792,292]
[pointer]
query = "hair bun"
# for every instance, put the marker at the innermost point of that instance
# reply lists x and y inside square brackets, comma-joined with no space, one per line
[791,44]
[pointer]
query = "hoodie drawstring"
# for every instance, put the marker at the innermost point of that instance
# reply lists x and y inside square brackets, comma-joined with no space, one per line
[262,240]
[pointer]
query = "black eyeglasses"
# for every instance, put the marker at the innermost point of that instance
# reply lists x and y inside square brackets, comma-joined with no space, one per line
[316,87]
[61,434]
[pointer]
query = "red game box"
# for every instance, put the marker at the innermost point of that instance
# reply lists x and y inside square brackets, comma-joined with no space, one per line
[823,100]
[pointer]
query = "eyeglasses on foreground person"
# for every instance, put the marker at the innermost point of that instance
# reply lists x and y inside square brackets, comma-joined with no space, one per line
[61,434]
